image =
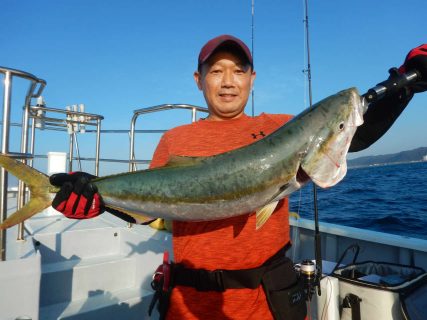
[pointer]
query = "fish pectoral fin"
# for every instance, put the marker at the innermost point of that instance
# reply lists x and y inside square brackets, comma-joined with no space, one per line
[263,214]
[183,161]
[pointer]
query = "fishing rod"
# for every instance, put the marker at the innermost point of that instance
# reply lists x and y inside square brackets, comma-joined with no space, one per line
[252,51]
[310,271]
[392,85]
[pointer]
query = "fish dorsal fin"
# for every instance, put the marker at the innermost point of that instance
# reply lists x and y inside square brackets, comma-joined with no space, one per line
[263,214]
[183,161]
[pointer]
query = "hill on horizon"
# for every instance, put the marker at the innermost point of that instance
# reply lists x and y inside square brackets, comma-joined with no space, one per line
[417,154]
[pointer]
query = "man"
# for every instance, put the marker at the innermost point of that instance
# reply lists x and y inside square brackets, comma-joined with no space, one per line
[225,75]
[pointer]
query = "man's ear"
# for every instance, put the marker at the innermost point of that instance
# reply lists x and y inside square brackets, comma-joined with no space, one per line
[198,79]
[253,76]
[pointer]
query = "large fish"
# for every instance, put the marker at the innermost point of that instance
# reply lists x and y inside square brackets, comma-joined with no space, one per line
[312,146]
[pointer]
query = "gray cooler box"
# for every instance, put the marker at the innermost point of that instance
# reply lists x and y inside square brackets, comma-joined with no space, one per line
[380,290]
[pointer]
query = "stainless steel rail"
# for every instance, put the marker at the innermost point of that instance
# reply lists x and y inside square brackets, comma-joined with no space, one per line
[25,75]
[36,114]
[35,89]
[162,107]
[62,127]
[72,118]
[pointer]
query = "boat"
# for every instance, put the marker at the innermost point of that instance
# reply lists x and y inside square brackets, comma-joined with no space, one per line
[57,268]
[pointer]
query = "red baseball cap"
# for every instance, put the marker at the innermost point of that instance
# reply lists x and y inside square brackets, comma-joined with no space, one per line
[223,40]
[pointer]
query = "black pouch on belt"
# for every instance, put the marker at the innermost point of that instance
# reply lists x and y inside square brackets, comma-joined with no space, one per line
[284,291]
[162,285]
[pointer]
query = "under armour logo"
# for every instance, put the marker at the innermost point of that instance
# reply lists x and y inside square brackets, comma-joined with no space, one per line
[261,133]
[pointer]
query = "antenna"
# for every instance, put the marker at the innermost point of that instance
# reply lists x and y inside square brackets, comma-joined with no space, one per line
[252,49]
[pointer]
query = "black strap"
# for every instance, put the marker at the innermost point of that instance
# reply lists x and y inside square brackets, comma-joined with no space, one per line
[352,301]
[220,280]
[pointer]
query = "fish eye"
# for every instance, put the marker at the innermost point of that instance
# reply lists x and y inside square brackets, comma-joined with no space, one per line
[341,126]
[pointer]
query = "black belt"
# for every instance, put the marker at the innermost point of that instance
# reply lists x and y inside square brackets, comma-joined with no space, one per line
[220,280]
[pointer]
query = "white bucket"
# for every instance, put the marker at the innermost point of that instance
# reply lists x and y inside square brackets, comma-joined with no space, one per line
[56,163]
[328,302]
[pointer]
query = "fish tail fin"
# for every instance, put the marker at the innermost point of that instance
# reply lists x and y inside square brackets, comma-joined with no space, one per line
[39,186]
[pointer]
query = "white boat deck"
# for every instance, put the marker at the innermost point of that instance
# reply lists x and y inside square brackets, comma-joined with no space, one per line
[100,268]
[81,269]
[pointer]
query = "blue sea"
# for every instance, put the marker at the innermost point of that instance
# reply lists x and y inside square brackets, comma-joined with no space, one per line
[387,198]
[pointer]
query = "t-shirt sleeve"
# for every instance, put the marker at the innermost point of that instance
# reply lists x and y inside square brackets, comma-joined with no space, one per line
[161,154]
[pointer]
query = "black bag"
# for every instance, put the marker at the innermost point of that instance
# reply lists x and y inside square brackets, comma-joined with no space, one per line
[284,290]
[282,286]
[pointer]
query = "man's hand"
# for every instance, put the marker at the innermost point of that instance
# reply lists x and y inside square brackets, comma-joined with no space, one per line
[78,197]
[417,60]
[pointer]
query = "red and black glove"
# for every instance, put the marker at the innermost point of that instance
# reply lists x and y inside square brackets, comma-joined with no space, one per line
[416,59]
[78,198]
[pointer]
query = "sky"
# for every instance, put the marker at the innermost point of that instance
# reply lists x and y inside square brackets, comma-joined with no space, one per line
[119,56]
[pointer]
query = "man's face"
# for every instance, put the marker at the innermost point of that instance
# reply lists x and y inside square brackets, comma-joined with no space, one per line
[226,83]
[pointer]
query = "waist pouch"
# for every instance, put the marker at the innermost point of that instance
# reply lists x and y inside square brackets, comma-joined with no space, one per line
[284,290]
[281,284]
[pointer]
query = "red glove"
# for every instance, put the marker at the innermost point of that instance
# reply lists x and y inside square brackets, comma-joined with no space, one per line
[78,198]
[416,59]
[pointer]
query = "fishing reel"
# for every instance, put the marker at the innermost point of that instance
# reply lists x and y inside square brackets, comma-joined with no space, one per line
[310,278]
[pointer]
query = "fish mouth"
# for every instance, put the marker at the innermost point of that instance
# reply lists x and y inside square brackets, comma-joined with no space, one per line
[302,177]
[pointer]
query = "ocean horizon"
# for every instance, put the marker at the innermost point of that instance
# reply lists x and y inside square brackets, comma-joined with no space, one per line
[390,198]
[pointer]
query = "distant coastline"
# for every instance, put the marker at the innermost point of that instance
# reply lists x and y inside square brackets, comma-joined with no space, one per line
[414,155]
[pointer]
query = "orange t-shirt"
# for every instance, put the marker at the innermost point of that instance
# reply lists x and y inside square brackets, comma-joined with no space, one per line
[231,243]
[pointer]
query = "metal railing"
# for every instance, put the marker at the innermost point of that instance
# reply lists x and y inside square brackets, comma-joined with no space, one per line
[72,120]
[162,107]
[34,90]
